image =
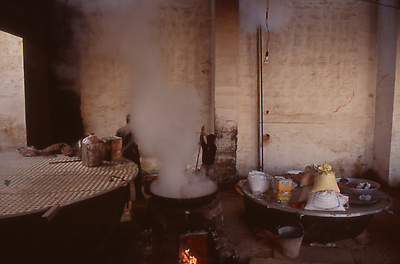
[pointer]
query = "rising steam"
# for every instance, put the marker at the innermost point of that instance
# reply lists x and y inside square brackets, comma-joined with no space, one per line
[254,15]
[163,118]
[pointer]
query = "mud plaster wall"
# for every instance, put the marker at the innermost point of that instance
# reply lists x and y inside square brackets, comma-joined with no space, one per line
[319,84]
[320,87]
[227,91]
[183,37]
[12,100]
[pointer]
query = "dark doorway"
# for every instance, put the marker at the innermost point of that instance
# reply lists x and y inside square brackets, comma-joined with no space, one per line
[52,100]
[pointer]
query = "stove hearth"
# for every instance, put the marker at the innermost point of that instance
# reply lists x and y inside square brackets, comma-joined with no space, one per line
[189,235]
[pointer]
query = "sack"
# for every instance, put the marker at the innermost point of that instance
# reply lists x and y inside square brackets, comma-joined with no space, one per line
[326,201]
[305,192]
[59,148]
[308,178]
[29,151]
[67,150]
[325,181]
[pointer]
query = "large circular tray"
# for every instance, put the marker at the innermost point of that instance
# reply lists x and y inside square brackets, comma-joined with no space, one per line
[384,202]
[29,184]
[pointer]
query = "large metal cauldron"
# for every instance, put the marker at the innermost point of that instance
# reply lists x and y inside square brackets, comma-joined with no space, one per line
[319,226]
[192,202]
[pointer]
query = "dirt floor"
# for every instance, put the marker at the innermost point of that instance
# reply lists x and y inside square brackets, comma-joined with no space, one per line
[380,243]
[383,236]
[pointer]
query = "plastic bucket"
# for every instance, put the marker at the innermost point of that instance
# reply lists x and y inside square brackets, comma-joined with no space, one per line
[290,239]
[258,182]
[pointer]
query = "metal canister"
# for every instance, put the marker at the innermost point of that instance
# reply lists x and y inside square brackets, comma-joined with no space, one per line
[92,154]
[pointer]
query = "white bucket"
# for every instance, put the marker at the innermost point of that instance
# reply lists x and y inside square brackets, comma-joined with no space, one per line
[259,182]
[290,239]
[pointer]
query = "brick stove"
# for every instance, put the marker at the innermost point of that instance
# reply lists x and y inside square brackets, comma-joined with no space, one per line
[197,229]
[194,248]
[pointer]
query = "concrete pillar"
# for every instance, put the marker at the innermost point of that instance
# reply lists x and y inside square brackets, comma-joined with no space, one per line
[394,164]
[387,120]
[226,86]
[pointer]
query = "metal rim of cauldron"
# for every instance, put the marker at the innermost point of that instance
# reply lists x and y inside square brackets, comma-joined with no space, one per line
[184,202]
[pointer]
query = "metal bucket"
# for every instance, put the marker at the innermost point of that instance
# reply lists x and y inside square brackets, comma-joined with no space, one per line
[290,239]
[92,154]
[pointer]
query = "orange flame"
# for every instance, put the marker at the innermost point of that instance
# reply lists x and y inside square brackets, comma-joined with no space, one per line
[186,258]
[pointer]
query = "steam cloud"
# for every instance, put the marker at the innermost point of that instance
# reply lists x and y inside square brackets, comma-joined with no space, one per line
[163,118]
[253,14]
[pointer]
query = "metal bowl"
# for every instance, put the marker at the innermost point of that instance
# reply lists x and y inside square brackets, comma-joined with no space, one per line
[348,189]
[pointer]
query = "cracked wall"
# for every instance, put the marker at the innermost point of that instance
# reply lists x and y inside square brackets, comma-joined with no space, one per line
[319,87]
[172,35]
[319,83]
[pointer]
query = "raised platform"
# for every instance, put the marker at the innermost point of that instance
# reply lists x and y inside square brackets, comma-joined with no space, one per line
[55,210]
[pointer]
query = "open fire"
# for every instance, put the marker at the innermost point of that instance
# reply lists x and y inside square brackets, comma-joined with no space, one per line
[186,235]
[186,258]
[193,248]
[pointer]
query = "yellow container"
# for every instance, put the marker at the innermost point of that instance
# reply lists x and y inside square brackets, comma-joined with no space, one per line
[116,148]
[283,188]
[284,195]
[282,184]
[127,215]
[112,148]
